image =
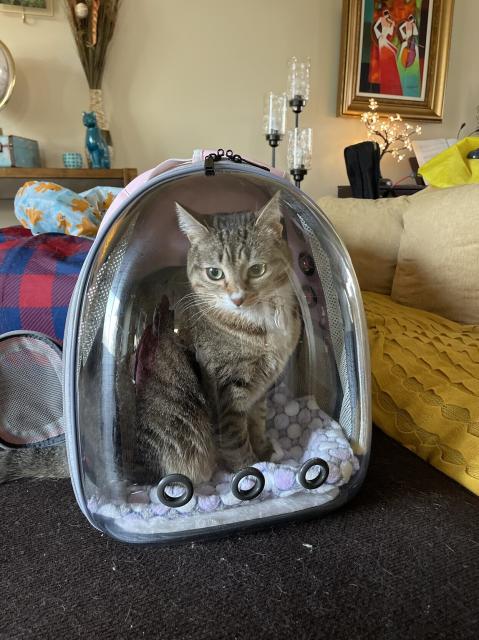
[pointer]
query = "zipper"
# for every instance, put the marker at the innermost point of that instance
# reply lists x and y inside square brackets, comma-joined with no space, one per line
[221,154]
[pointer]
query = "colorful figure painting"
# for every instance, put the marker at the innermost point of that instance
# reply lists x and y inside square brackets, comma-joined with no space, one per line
[394,48]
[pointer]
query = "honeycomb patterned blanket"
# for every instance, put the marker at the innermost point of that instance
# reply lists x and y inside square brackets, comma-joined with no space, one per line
[425,381]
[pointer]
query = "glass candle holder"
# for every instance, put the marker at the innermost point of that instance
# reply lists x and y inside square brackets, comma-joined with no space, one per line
[300,147]
[274,120]
[274,114]
[298,82]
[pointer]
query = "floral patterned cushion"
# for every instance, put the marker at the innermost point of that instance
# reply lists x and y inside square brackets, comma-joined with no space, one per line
[46,207]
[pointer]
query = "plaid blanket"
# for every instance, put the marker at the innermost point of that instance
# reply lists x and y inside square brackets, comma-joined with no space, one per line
[37,277]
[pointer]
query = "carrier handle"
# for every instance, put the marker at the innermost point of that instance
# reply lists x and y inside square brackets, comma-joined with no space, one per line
[221,154]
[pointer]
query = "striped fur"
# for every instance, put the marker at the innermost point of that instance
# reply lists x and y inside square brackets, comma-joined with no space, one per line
[242,349]
[44,462]
[174,430]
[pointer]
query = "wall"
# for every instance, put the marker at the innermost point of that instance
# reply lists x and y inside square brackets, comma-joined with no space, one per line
[188,74]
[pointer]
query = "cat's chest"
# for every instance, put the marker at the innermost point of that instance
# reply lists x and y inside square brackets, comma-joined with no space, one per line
[265,351]
[249,356]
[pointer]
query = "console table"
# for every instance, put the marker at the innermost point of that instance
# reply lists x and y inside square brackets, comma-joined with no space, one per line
[344,191]
[12,178]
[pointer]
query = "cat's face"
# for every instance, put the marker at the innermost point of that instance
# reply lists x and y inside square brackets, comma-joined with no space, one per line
[237,263]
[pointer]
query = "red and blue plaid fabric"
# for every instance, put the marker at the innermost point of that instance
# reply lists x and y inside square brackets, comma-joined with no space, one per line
[37,277]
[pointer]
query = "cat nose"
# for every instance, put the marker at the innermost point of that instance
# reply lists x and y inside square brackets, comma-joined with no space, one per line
[237,298]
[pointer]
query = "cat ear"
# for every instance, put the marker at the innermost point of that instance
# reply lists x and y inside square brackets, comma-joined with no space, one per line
[269,216]
[190,226]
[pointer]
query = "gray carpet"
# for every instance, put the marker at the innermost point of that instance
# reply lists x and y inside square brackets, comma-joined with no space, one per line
[400,561]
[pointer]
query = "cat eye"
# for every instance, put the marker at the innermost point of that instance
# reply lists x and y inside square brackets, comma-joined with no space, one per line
[214,273]
[257,270]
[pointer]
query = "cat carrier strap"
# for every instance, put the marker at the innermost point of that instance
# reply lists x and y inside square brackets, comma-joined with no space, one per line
[228,155]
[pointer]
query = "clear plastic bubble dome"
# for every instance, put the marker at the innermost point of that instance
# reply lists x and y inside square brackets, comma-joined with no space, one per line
[216,361]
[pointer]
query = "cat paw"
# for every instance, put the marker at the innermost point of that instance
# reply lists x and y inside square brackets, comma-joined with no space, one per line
[198,469]
[264,450]
[232,461]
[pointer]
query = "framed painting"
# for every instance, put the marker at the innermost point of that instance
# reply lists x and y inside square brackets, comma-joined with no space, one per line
[397,52]
[28,7]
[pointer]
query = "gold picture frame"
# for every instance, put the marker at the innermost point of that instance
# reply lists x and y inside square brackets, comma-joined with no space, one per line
[28,7]
[7,75]
[397,52]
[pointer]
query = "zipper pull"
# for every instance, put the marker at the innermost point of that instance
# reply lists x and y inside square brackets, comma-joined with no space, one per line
[228,155]
[235,157]
[210,165]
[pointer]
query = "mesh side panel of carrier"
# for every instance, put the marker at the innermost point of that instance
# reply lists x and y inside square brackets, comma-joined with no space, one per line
[31,407]
[97,295]
[336,327]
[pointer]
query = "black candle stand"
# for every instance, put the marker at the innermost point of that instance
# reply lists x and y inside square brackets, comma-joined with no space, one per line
[274,115]
[297,104]
[298,174]
[274,138]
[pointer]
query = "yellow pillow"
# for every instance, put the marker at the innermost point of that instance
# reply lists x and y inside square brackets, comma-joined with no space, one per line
[438,261]
[425,379]
[371,231]
[452,167]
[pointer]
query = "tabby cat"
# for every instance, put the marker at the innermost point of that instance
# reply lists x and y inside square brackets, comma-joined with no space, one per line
[202,402]
[240,319]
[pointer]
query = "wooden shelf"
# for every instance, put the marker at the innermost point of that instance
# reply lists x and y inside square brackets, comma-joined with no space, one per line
[12,178]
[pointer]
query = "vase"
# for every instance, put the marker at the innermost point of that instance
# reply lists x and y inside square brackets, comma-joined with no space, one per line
[72,160]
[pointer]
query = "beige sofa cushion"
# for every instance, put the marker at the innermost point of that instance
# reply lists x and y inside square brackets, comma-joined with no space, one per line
[371,231]
[438,260]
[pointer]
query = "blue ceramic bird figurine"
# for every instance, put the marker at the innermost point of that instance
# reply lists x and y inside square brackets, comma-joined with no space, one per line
[95,145]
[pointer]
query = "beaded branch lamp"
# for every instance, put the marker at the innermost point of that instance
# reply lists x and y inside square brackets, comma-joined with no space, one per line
[274,119]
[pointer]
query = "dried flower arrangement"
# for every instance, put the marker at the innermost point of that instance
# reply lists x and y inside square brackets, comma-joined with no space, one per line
[93,23]
[394,134]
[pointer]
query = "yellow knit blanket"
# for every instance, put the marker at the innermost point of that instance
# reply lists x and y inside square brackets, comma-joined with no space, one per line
[425,384]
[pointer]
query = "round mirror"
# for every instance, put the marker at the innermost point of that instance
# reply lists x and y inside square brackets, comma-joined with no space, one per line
[7,74]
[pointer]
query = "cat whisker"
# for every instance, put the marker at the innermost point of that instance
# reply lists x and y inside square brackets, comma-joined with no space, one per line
[195,296]
[189,298]
[197,307]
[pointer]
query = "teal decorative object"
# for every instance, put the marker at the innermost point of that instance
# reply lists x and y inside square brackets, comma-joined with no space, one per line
[18,152]
[72,160]
[95,145]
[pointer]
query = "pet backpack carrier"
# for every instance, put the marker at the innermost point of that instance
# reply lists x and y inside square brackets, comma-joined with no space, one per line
[317,407]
